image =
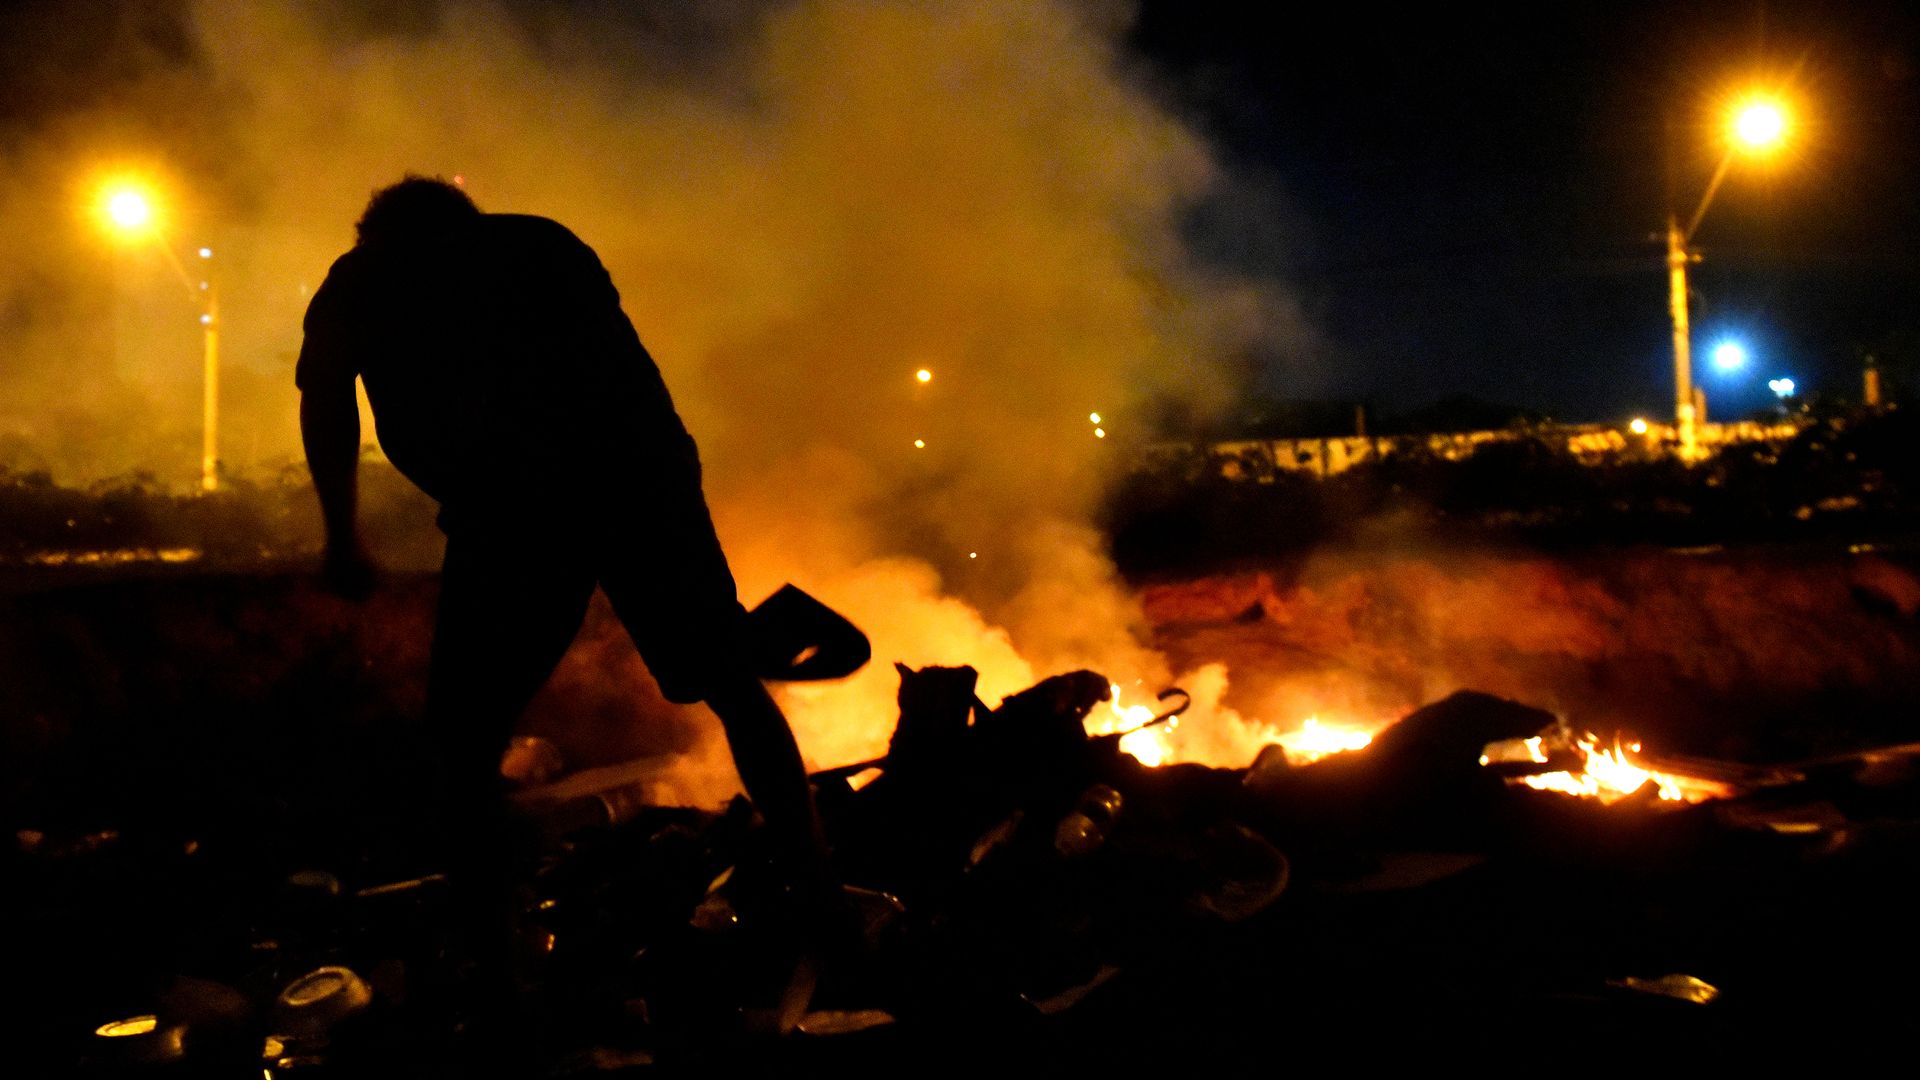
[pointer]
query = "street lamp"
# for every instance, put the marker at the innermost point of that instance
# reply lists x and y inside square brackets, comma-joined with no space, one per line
[1729,356]
[128,207]
[1756,126]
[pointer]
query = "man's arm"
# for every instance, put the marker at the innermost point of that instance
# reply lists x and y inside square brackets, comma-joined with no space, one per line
[330,430]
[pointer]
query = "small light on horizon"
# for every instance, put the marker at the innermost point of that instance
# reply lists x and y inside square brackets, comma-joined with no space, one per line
[1093,418]
[1639,426]
[919,444]
[973,554]
[923,375]
[1782,388]
[206,253]
[1099,433]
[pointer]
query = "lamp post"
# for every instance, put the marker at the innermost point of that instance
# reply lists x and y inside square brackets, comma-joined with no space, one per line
[127,207]
[209,377]
[1757,126]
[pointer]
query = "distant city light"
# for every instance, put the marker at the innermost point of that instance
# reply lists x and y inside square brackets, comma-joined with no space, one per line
[1782,388]
[1099,433]
[919,444]
[1729,356]
[1639,426]
[973,554]
[923,375]
[206,253]
[1093,418]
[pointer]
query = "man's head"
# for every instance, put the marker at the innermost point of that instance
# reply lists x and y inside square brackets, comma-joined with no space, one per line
[416,208]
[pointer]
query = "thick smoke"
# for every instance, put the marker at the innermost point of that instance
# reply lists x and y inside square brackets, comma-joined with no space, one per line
[803,204]
[1763,653]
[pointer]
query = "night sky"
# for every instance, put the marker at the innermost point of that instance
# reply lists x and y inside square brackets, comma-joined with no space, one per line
[1465,200]
[1468,199]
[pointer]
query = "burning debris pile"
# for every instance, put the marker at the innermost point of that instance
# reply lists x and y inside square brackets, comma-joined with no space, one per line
[1027,871]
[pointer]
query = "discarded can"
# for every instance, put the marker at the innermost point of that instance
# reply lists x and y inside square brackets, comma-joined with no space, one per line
[140,1040]
[1084,828]
[1101,803]
[317,1002]
[1077,836]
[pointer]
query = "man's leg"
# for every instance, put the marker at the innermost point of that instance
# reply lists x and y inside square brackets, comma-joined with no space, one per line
[770,766]
[510,606]
[670,584]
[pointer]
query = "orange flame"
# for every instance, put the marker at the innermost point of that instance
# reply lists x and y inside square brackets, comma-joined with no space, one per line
[1315,740]
[1162,744]
[1149,745]
[1609,775]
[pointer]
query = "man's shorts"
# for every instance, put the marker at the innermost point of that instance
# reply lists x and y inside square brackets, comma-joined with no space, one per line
[645,537]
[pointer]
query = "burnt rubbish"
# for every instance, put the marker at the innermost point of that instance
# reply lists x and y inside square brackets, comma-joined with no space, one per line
[1015,879]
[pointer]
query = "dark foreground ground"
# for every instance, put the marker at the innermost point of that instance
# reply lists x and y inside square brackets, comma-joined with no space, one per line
[208,785]
[209,789]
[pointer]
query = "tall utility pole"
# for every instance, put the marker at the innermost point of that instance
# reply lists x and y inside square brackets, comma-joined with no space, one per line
[210,380]
[1758,125]
[1685,416]
[207,294]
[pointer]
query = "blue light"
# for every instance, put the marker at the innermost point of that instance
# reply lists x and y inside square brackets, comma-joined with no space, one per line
[1729,356]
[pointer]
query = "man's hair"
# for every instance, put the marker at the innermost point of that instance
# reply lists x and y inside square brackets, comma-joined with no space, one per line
[416,206]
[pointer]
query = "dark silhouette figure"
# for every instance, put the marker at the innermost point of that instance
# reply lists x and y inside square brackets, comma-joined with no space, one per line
[508,384]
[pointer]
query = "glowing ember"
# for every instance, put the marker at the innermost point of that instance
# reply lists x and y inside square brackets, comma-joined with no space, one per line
[1610,775]
[112,557]
[1315,740]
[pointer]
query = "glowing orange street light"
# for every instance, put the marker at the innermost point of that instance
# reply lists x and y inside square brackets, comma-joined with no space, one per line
[128,207]
[1760,124]
[1757,124]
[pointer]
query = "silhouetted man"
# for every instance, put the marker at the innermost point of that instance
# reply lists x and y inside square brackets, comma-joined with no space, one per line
[507,383]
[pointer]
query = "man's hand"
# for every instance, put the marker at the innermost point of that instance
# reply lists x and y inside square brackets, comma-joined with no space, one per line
[348,571]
